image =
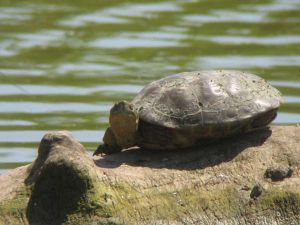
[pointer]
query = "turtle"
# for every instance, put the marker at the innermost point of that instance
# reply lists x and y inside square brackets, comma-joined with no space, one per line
[189,108]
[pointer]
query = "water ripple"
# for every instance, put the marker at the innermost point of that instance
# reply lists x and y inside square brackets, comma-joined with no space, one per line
[7,89]
[295,84]
[68,67]
[39,107]
[17,155]
[239,62]
[43,38]
[21,136]
[278,5]
[274,40]
[220,16]
[40,38]
[92,18]
[292,99]
[21,72]
[126,42]
[5,48]
[11,15]
[119,14]
[16,123]
[287,118]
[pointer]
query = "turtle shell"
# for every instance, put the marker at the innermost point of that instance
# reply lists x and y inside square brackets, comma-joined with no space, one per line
[204,98]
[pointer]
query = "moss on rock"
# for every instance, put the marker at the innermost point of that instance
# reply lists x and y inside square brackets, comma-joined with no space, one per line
[133,207]
[61,189]
[13,211]
[285,202]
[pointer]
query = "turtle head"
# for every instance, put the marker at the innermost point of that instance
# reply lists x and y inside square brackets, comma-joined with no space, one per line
[122,132]
[123,121]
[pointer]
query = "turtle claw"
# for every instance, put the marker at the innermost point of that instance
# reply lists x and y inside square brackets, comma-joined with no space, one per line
[106,149]
[97,152]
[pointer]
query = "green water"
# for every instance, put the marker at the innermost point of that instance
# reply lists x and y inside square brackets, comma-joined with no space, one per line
[62,65]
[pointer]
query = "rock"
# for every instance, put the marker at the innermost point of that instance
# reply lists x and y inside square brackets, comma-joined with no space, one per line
[278,173]
[65,185]
[62,179]
[256,191]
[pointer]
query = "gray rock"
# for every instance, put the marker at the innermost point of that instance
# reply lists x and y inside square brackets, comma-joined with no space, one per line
[256,191]
[278,173]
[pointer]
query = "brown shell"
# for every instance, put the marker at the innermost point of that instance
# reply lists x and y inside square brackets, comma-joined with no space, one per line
[205,98]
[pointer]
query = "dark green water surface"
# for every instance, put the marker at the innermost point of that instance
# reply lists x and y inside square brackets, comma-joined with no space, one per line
[63,63]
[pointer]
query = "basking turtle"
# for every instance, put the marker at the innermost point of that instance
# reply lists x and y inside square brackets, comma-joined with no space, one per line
[190,108]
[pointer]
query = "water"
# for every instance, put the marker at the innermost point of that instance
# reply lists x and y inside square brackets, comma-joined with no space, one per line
[63,65]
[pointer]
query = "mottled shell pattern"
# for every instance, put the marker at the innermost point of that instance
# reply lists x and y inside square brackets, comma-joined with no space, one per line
[203,98]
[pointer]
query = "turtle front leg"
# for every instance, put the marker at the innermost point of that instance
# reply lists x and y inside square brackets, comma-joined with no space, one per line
[106,149]
[109,145]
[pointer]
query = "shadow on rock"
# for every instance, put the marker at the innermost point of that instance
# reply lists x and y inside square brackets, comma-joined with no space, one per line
[187,159]
[56,194]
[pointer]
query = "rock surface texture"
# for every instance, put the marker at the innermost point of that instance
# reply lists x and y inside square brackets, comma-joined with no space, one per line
[206,185]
